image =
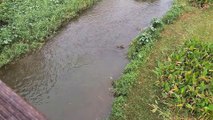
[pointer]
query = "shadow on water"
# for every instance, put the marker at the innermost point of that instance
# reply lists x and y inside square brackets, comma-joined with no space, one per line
[70,77]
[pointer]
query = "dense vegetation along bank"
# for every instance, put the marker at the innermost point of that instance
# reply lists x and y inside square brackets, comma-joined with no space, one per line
[139,90]
[186,79]
[25,25]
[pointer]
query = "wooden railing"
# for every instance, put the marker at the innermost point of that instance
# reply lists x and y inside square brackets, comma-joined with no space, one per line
[13,107]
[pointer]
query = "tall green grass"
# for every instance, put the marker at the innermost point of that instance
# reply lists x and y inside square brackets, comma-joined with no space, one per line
[27,23]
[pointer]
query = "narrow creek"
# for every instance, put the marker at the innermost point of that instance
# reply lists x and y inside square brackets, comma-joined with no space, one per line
[70,77]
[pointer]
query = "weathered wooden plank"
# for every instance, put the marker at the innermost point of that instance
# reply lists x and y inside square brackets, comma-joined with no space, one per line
[13,107]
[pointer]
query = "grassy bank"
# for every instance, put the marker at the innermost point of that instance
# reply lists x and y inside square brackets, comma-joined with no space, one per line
[136,94]
[26,24]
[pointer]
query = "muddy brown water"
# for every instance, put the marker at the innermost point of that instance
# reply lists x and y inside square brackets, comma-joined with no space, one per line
[70,77]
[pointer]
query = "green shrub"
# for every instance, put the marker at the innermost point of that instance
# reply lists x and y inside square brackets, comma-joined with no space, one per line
[186,79]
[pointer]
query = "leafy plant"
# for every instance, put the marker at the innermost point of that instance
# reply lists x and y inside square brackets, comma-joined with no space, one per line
[186,79]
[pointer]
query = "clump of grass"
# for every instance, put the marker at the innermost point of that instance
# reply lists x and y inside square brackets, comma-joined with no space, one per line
[186,79]
[147,36]
[29,22]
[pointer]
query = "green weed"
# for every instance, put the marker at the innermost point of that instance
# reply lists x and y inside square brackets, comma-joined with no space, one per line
[186,79]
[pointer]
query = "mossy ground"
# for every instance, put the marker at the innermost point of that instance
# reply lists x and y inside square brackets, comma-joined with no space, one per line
[193,23]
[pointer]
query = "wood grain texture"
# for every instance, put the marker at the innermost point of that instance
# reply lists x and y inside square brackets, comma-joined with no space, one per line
[13,107]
